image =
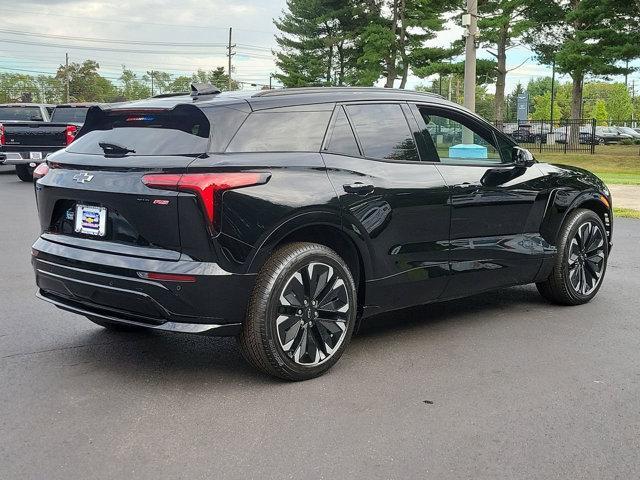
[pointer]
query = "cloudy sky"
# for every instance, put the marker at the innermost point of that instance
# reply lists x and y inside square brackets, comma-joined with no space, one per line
[35,34]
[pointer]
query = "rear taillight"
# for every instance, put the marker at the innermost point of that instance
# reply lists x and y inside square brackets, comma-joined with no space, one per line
[71,133]
[40,171]
[205,185]
[1,134]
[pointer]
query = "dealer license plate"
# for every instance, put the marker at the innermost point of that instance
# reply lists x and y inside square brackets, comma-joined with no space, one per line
[91,220]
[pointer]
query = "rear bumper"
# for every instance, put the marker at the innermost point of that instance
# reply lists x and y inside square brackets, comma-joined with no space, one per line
[107,286]
[23,157]
[14,158]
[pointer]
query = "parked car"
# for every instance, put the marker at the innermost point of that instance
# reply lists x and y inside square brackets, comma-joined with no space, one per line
[289,217]
[26,142]
[633,133]
[610,135]
[586,135]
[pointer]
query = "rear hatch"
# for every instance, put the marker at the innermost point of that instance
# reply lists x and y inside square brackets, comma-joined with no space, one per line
[94,196]
[35,134]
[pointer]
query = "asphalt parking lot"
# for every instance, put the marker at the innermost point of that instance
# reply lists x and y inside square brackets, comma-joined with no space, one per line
[500,385]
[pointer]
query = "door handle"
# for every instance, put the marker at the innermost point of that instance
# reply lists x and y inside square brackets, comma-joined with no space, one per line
[358,188]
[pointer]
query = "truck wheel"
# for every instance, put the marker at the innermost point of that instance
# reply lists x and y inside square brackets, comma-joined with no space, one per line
[301,313]
[25,173]
[581,260]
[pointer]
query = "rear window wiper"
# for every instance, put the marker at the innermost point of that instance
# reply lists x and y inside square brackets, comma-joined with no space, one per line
[114,149]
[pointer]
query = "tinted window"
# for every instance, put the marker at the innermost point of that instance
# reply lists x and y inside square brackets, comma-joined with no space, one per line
[281,130]
[225,122]
[383,131]
[20,113]
[69,114]
[341,139]
[454,141]
[182,131]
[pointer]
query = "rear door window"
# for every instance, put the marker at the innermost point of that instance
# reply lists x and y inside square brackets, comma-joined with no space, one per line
[183,130]
[23,114]
[341,139]
[383,131]
[283,130]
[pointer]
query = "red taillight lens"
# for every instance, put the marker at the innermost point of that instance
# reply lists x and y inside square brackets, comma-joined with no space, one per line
[167,277]
[40,171]
[205,185]
[71,133]
[1,134]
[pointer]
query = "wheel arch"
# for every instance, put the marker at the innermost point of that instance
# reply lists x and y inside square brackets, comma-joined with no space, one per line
[323,228]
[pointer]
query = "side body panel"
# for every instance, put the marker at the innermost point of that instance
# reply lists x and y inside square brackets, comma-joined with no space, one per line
[404,221]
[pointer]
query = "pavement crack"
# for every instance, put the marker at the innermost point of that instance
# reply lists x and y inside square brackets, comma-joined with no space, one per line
[26,354]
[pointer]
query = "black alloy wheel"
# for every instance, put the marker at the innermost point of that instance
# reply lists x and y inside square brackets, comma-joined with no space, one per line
[581,261]
[301,314]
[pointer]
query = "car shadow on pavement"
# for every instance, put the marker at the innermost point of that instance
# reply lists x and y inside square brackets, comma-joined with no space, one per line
[426,316]
[190,359]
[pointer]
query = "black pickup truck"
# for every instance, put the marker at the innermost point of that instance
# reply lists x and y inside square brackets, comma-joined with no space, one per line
[28,135]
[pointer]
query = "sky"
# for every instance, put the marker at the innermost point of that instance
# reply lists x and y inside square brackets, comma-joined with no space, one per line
[119,26]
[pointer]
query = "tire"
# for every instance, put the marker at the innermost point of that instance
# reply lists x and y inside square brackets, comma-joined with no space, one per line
[117,327]
[25,173]
[287,338]
[581,261]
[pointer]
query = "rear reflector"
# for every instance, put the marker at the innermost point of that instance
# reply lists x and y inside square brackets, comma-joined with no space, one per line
[205,185]
[167,277]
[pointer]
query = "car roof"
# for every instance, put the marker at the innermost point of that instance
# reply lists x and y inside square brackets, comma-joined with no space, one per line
[289,97]
[77,105]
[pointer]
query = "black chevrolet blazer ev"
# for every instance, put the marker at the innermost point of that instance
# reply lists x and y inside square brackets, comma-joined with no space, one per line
[287,217]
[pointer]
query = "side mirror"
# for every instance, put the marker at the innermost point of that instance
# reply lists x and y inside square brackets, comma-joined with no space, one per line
[522,157]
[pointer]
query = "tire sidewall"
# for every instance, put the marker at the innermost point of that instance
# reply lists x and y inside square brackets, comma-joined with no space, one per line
[316,254]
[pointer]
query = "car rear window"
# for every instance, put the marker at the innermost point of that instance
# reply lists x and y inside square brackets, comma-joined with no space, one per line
[20,113]
[183,130]
[69,114]
[282,130]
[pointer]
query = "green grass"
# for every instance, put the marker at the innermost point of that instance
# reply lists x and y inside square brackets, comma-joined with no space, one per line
[615,164]
[626,212]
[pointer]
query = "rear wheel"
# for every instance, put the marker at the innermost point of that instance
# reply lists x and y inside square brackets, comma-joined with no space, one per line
[581,260]
[302,312]
[25,173]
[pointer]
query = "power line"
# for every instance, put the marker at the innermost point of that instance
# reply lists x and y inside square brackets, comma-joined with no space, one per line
[133,22]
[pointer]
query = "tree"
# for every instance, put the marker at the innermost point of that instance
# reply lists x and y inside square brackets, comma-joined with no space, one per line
[615,96]
[317,44]
[133,88]
[542,107]
[600,112]
[158,80]
[216,77]
[85,83]
[180,84]
[586,37]
[500,24]
[400,34]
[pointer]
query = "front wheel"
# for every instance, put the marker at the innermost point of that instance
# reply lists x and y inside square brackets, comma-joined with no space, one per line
[581,260]
[25,173]
[301,314]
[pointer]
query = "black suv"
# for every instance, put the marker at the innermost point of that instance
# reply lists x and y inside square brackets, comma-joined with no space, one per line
[288,217]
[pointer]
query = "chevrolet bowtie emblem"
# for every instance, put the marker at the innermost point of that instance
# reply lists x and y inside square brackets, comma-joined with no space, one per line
[83,177]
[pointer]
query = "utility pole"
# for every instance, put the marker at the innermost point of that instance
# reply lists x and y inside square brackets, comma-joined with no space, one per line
[553,89]
[470,20]
[230,54]
[66,73]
